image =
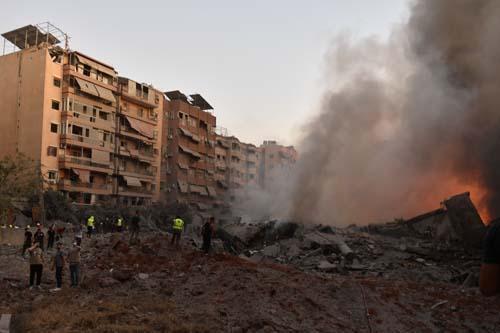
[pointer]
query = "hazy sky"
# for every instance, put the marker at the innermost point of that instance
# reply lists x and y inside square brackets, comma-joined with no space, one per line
[259,63]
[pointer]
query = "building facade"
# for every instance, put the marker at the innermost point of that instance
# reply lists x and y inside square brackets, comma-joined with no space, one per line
[64,109]
[275,160]
[188,167]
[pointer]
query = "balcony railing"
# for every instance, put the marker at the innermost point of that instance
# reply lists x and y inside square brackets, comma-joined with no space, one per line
[83,161]
[134,190]
[67,183]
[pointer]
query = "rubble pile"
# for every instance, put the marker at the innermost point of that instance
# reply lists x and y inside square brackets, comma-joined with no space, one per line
[438,246]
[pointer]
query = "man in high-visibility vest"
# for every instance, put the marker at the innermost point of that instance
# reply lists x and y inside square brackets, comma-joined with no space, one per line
[178,227]
[90,225]
[119,224]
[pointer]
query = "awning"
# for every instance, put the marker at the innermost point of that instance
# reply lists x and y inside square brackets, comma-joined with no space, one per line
[182,166]
[223,144]
[211,191]
[183,186]
[83,175]
[143,128]
[132,181]
[87,87]
[105,93]
[195,138]
[201,190]
[186,132]
[189,151]
[100,156]
[95,65]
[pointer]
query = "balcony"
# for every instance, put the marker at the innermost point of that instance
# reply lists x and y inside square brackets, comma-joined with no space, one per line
[87,163]
[137,172]
[88,120]
[76,186]
[134,191]
[78,140]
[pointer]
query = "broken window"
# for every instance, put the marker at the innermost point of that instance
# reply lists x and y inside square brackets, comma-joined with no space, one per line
[57,82]
[54,128]
[77,130]
[55,105]
[51,151]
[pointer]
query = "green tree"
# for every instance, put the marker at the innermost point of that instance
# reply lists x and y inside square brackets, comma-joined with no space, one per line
[19,180]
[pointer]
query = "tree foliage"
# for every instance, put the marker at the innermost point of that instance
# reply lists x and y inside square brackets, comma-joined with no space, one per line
[19,180]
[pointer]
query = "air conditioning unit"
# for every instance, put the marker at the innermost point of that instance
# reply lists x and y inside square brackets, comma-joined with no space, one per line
[170,136]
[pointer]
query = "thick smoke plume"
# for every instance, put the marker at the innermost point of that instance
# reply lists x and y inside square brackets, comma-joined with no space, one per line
[407,122]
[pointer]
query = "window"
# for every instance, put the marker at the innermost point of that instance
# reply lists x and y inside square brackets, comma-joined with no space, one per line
[86,70]
[87,132]
[52,175]
[54,128]
[57,82]
[103,115]
[55,105]
[51,151]
[140,112]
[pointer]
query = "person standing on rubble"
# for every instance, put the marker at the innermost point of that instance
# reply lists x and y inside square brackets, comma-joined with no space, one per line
[36,265]
[90,225]
[207,232]
[39,236]
[178,227]
[58,265]
[78,234]
[74,264]
[28,236]
[51,235]
[134,226]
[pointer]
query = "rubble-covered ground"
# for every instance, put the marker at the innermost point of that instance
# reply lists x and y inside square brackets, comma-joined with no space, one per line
[281,278]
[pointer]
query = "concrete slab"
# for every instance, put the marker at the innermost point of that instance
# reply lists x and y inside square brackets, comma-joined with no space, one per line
[5,323]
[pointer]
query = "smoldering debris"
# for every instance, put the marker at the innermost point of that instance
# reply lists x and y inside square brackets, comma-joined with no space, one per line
[408,121]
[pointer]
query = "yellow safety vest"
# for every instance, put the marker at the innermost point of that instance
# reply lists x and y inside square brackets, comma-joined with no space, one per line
[90,221]
[178,224]
[119,223]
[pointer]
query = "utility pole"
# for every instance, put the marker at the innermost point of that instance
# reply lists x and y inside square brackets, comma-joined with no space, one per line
[41,200]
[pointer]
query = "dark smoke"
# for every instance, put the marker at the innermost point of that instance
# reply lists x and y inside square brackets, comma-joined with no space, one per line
[407,122]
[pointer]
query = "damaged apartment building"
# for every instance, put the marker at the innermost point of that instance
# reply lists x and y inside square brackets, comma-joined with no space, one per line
[97,136]
[188,166]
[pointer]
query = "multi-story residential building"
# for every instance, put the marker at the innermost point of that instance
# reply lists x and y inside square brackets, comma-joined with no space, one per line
[237,165]
[138,143]
[189,158]
[64,109]
[275,159]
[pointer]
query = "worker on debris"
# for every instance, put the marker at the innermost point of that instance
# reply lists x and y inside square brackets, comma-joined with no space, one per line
[28,236]
[90,225]
[207,232]
[39,236]
[74,264]
[119,224]
[134,226]
[36,265]
[178,227]
[51,235]
[489,277]
[58,265]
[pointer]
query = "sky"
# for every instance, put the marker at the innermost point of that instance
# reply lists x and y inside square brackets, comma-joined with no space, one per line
[258,63]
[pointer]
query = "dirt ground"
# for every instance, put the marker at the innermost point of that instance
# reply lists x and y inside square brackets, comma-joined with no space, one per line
[152,287]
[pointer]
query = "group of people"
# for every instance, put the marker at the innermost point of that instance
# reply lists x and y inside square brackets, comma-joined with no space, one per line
[57,263]
[34,245]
